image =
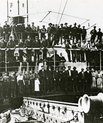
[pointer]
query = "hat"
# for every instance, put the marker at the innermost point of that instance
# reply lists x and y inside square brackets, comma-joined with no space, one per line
[75,23]
[66,23]
[50,23]
[74,67]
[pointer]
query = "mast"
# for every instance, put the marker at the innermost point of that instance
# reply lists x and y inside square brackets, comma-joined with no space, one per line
[27,12]
[18,8]
[7,11]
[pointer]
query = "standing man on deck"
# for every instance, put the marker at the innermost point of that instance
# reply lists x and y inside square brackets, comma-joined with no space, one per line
[75,79]
[93,33]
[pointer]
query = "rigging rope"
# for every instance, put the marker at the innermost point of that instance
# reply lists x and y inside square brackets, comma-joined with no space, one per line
[63,11]
[59,11]
[70,15]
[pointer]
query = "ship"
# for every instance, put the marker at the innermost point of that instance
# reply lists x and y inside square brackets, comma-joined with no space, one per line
[51,104]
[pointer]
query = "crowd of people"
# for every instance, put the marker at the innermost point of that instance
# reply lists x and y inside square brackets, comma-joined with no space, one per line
[52,78]
[47,81]
[72,36]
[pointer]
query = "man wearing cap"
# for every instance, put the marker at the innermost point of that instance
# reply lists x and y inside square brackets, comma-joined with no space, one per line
[88,79]
[33,30]
[84,33]
[69,84]
[43,32]
[98,43]
[49,32]
[79,33]
[74,33]
[93,33]
[75,79]
[6,85]
[42,78]
[63,79]
[62,30]
[81,79]
[99,35]
[66,32]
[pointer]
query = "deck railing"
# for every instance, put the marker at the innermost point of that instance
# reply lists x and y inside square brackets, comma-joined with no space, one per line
[49,111]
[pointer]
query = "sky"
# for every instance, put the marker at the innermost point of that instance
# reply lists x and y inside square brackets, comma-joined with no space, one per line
[81,10]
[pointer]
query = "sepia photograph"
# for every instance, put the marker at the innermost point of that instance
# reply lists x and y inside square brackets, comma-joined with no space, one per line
[51,61]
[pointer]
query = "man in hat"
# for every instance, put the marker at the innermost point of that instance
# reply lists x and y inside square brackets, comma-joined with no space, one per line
[62,31]
[81,79]
[43,32]
[88,79]
[49,29]
[66,32]
[69,84]
[99,35]
[84,33]
[93,33]
[63,79]
[42,79]
[6,85]
[75,79]
[74,32]
[79,33]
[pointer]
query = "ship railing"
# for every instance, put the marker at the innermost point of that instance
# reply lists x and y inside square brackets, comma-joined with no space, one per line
[50,111]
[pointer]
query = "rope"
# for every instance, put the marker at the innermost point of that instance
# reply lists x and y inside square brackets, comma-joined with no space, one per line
[63,11]
[70,15]
[59,11]
[46,15]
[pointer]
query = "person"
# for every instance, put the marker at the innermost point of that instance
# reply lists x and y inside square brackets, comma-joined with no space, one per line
[28,30]
[42,79]
[49,79]
[1,31]
[75,79]
[37,86]
[33,31]
[26,79]
[99,81]
[84,33]
[74,33]
[20,84]
[6,31]
[11,42]
[62,58]
[66,32]
[1,85]
[79,33]
[36,43]
[88,79]
[94,78]
[49,32]
[56,57]
[13,84]
[6,85]
[56,79]
[93,33]
[99,43]
[43,32]
[32,80]
[69,84]
[28,42]
[99,35]
[63,80]
[81,79]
